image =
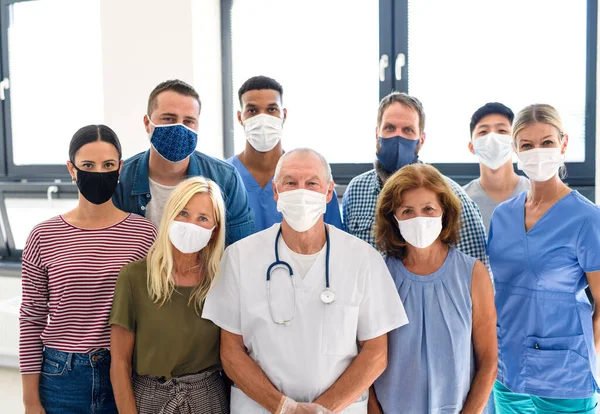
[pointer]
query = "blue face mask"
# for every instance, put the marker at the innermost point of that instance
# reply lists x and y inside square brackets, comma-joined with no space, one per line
[396,152]
[174,142]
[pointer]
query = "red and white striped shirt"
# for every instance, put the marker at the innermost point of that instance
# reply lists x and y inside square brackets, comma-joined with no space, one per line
[68,281]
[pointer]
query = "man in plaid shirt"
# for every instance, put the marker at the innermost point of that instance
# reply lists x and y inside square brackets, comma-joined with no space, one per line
[400,136]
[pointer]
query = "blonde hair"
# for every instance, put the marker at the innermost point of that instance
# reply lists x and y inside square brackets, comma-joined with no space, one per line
[161,283]
[537,113]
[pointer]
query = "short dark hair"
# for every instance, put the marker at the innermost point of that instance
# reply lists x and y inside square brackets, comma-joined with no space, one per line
[174,85]
[406,100]
[93,133]
[489,109]
[256,83]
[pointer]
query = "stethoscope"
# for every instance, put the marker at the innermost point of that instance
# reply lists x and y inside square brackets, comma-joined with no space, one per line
[327,296]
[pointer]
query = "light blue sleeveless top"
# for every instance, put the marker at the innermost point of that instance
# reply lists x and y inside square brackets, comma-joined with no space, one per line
[431,360]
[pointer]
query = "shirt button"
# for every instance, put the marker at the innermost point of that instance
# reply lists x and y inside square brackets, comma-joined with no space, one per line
[148,195]
[143,208]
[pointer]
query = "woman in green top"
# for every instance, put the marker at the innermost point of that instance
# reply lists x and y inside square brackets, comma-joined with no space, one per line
[165,357]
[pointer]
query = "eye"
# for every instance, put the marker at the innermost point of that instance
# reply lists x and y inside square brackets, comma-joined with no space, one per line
[87,165]
[429,209]
[548,142]
[407,211]
[525,146]
[168,119]
[109,165]
[482,132]
[202,219]
[273,110]
[409,130]
[251,111]
[183,213]
[189,122]
[503,131]
[390,128]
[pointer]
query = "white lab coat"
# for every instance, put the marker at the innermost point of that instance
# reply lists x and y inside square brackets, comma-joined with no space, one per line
[305,358]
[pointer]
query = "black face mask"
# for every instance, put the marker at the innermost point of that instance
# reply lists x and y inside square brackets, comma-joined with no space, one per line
[97,187]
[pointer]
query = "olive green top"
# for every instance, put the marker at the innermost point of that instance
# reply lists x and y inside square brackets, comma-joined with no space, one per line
[171,340]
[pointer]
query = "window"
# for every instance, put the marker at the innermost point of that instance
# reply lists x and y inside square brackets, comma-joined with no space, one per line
[325,54]
[514,52]
[55,78]
[509,51]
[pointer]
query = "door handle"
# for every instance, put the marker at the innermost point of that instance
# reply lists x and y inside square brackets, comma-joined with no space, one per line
[384,62]
[400,62]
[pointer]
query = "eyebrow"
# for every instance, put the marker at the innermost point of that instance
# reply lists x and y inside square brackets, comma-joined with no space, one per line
[504,124]
[528,140]
[92,162]
[424,204]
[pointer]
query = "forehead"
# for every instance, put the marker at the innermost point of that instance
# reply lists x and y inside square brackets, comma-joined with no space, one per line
[97,151]
[261,96]
[173,102]
[398,112]
[493,119]
[199,202]
[537,131]
[302,164]
[416,196]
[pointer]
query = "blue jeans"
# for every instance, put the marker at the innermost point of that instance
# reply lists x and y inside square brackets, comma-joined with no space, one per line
[76,383]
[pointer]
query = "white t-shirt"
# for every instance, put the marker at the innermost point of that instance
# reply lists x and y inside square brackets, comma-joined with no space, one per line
[301,263]
[304,358]
[160,194]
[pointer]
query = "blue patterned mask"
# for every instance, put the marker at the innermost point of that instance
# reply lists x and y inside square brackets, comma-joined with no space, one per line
[174,142]
[396,152]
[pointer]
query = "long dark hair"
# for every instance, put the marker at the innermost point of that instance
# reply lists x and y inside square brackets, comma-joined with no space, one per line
[93,133]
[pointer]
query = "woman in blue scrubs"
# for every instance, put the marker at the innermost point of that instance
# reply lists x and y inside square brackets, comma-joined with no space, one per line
[544,248]
[445,360]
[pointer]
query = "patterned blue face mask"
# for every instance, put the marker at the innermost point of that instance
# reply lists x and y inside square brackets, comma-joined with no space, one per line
[174,142]
[396,152]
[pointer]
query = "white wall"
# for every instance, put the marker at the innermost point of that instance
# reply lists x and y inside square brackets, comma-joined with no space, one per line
[144,42]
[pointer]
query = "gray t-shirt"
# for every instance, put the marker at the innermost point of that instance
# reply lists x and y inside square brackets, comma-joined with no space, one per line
[160,195]
[485,203]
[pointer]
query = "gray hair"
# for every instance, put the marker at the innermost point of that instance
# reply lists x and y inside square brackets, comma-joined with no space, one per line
[326,166]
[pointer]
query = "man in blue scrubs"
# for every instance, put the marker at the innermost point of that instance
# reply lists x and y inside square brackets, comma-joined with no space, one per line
[262,115]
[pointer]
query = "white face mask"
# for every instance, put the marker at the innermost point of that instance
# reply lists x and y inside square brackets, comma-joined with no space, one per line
[420,232]
[493,150]
[301,209]
[263,131]
[540,164]
[189,237]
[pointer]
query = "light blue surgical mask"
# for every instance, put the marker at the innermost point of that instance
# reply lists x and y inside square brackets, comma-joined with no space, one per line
[174,142]
[396,152]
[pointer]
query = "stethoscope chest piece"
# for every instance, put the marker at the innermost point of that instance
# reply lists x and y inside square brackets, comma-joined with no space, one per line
[327,296]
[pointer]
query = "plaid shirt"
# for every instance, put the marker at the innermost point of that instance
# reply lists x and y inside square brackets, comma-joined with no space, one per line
[360,200]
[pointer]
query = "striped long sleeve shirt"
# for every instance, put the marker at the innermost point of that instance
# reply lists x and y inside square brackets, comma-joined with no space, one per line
[68,281]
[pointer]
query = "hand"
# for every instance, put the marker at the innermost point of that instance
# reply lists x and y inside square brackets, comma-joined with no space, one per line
[34,409]
[289,406]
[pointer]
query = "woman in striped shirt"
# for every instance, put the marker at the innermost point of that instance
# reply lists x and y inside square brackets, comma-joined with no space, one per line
[70,266]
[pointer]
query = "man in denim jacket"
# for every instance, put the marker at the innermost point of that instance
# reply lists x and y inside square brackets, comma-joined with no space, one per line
[148,178]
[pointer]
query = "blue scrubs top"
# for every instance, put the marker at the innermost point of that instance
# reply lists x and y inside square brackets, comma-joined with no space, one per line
[263,204]
[545,336]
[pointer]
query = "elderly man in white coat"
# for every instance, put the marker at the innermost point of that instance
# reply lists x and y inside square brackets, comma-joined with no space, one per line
[304,307]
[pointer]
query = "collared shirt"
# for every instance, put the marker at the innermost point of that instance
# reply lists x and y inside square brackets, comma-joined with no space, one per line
[133,192]
[263,204]
[360,200]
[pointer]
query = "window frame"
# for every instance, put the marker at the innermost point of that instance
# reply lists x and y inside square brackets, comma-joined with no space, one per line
[393,39]
[8,169]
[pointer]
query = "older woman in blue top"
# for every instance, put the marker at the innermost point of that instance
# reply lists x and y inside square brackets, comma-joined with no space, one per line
[445,359]
[544,248]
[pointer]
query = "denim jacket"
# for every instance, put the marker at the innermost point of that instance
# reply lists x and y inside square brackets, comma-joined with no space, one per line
[133,192]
